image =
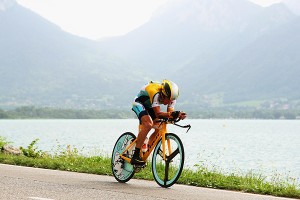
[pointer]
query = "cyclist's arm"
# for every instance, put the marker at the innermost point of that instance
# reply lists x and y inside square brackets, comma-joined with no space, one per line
[171,106]
[168,114]
[181,115]
[170,109]
[160,114]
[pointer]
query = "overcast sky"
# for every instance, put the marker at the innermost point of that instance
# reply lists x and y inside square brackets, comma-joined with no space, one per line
[96,19]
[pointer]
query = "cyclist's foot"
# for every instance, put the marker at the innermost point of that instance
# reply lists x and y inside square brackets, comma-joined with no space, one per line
[137,161]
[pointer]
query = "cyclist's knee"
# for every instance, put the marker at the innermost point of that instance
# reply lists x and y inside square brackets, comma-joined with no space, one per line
[147,123]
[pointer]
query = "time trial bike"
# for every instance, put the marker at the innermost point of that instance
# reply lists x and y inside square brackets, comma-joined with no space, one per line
[167,157]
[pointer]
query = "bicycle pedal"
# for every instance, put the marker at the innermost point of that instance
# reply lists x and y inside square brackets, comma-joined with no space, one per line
[138,168]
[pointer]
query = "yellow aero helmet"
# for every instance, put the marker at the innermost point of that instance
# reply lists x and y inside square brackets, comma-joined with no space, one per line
[170,89]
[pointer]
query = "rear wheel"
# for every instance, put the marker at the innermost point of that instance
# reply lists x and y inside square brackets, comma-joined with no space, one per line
[166,172]
[122,170]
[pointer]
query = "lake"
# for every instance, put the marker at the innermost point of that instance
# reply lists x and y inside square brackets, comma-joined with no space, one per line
[262,146]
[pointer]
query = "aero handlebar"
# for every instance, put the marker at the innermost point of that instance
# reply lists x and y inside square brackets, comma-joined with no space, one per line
[174,122]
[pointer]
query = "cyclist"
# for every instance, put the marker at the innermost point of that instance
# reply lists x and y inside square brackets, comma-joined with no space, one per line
[147,108]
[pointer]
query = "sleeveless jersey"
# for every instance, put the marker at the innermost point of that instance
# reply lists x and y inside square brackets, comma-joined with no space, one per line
[149,96]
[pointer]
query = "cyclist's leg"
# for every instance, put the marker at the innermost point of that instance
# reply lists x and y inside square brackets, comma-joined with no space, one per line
[153,135]
[145,126]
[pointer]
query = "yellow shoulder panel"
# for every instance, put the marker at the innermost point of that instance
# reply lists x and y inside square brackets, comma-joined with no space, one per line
[152,89]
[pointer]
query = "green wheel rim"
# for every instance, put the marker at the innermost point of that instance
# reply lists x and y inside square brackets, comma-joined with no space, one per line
[122,170]
[166,173]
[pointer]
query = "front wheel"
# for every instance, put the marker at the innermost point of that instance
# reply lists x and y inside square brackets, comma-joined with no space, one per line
[122,170]
[166,172]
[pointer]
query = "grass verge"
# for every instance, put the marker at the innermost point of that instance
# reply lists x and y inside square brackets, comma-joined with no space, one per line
[69,159]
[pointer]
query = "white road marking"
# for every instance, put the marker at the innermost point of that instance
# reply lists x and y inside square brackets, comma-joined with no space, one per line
[39,198]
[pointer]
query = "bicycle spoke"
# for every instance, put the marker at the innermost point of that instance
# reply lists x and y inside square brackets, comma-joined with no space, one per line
[160,152]
[173,155]
[166,173]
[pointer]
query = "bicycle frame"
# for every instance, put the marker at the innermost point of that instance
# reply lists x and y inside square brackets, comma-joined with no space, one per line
[162,130]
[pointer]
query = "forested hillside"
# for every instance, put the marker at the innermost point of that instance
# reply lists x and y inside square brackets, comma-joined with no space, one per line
[223,54]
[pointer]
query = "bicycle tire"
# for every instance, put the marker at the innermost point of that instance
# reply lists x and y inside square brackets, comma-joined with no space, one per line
[167,172]
[121,169]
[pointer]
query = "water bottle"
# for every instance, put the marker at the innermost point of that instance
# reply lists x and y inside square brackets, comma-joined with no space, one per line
[145,145]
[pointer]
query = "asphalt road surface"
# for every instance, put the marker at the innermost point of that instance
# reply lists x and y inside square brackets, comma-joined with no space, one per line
[41,184]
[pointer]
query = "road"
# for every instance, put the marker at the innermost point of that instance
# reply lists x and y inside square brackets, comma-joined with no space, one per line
[41,184]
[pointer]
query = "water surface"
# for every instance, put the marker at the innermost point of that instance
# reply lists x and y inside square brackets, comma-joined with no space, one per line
[268,146]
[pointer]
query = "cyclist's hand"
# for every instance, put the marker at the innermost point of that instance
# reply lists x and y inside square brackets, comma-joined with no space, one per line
[178,115]
[182,115]
[175,114]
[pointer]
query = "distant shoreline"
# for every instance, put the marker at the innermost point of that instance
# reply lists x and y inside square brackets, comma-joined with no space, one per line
[31,112]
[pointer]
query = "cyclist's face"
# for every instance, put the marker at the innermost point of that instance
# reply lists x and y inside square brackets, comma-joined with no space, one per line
[165,100]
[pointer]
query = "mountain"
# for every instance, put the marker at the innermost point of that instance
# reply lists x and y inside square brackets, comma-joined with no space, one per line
[254,49]
[180,31]
[232,49]
[266,68]
[219,52]
[43,65]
